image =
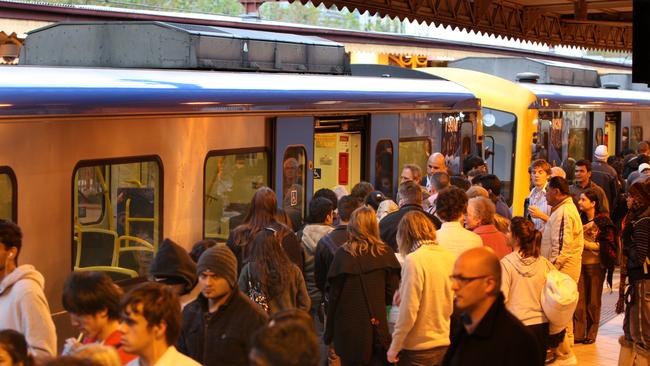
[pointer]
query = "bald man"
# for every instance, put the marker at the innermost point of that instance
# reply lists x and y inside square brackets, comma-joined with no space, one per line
[435,164]
[484,332]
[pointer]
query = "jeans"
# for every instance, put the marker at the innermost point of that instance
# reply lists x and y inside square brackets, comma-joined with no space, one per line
[590,288]
[426,357]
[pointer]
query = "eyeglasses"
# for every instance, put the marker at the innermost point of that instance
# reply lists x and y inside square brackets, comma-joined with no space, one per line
[463,281]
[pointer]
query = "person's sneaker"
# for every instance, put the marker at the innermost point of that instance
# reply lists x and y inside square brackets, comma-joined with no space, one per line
[550,357]
[569,360]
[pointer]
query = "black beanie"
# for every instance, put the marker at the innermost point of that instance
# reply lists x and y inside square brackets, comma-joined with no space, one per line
[221,261]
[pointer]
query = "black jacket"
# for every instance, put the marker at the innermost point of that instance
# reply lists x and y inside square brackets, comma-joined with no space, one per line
[221,338]
[348,314]
[325,250]
[499,339]
[388,225]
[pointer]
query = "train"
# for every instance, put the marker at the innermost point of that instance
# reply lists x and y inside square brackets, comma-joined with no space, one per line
[115,135]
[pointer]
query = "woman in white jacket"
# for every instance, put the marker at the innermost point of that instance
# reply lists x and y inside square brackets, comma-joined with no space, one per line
[425,297]
[523,278]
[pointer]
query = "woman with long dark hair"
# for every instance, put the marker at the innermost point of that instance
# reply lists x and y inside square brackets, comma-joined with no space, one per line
[523,276]
[272,276]
[263,213]
[636,240]
[598,260]
[363,278]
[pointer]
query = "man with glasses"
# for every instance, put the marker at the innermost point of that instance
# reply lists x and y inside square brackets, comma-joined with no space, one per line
[484,332]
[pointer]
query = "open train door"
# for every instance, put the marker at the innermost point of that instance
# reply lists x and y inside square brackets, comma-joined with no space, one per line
[294,149]
[384,141]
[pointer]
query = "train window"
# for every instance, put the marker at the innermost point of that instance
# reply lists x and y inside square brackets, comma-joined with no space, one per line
[384,167]
[230,181]
[7,194]
[563,135]
[499,130]
[117,216]
[414,150]
[90,194]
[452,134]
[294,172]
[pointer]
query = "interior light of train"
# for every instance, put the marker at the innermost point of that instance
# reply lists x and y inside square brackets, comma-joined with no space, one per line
[201,103]
[6,105]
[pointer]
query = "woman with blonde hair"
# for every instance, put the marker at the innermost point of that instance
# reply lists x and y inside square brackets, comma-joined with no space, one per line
[425,297]
[363,278]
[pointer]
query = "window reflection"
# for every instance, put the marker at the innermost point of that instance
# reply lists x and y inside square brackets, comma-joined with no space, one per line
[7,195]
[293,177]
[384,167]
[230,182]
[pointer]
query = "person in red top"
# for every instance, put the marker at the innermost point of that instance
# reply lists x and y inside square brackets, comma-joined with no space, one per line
[480,219]
[93,301]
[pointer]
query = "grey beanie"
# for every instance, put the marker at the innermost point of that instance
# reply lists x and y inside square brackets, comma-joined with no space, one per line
[221,261]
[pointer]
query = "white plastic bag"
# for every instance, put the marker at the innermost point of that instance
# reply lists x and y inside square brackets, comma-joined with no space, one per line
[559,300]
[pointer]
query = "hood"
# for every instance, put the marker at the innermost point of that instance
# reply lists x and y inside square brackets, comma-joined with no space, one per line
[173,264]
[311,234]
[25,272]
[527,267]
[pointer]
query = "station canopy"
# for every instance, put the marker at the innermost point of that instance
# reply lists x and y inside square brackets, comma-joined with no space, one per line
[590,24]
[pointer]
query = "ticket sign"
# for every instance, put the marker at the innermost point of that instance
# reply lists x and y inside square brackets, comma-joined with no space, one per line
[294,197]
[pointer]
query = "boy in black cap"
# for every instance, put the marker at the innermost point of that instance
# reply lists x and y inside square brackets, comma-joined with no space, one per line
[217,325]
[174,267]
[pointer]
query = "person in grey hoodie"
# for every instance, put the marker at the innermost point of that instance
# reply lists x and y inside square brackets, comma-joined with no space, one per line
[321,218]
[523,278]
[23,306]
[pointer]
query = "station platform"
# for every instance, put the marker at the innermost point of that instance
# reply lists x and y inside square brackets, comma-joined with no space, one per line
[604,352]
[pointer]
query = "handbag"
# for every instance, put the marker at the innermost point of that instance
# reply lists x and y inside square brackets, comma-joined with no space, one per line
[256,294]
[559,300]
[379,337]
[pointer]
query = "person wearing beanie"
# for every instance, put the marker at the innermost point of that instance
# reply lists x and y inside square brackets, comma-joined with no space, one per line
[174,267]
[605,176]
[217,326]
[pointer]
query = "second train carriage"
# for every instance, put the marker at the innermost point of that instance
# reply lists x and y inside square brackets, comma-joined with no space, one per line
[541,119]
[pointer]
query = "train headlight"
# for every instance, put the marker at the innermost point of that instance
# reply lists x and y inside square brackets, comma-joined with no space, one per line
[489,120]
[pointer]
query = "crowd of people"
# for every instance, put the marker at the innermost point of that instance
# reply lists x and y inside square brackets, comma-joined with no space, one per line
[442,275]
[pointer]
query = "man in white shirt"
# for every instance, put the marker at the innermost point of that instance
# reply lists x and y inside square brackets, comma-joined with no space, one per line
[151,323]
[538,209]
[451,206]
[435,164]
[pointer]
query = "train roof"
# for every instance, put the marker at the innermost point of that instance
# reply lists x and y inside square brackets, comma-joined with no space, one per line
[38,91]
[555,97]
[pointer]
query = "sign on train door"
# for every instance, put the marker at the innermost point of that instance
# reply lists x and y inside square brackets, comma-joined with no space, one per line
[294,146]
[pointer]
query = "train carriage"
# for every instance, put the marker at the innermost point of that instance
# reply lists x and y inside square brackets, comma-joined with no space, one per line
[99,164]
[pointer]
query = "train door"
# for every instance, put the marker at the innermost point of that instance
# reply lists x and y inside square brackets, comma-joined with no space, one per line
[338,152]
[499,131]
[294,148]
[612,127]
[384,140]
